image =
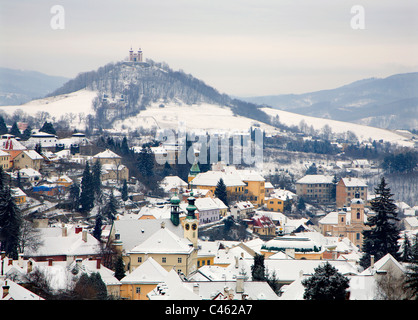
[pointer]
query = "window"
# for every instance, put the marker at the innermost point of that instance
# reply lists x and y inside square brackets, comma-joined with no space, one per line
[138,290]
[208,263]
[140,259]
[164,260]
[358,215]
[179,260]
[358,236]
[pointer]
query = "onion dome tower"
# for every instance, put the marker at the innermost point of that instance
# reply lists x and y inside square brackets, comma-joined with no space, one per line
[175,209]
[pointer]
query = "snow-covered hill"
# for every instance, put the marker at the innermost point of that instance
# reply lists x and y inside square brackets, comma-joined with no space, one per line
[74,107]
[363,133]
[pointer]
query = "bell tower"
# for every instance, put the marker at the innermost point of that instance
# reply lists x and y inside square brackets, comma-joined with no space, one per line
[191,223]
[175,210]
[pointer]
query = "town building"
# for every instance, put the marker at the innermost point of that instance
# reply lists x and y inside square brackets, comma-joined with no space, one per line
[349,223]
[315,187]
[348,189]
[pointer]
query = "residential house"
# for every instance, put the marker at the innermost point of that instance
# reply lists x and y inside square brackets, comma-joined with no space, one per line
[242,210]
[262,225]
[4,160]
[64,243]
[315,187]
[348,189]
[168,249]
[278,199]
[13,147]
[18,195]
[137,284]
[10,290]
[172,184]
[28,159]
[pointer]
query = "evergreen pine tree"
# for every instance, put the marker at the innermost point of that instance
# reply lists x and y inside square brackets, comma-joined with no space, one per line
[124,191]
[145,162]
[220,191]
[3,126]
[96,172]
[48,128]
[111,208]
[325,284]
[97,232]
[119,268]
[258,271]
[383,236]
[38,148]
[10,223]
[411,281]
[14,130]
[406,254]
[87,190]
[75,196]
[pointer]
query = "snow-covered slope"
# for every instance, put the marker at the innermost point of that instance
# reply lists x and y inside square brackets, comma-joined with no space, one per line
[363,133]
[72,107]
[204,116]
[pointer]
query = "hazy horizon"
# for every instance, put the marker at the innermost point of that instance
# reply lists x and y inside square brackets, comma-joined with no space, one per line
[241,48]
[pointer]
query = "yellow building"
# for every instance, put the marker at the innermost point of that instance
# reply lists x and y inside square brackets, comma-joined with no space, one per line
[240,184]
[275,204]
[142,280]
[349,223]
[28,159]
[4,160]
[18,195]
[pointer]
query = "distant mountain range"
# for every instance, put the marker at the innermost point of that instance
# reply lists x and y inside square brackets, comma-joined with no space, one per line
[21,86]
[389,103]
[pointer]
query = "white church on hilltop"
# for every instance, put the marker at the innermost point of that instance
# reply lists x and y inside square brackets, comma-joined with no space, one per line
[135,57]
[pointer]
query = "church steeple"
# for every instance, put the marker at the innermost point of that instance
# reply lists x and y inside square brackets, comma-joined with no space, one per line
[175,209]
[191,223]
[194,170]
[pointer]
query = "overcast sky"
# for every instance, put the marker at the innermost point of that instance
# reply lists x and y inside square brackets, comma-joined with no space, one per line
[240,47]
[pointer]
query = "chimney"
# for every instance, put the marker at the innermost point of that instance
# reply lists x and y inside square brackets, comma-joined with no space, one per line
[5,289]
[98,263]
[372,262]
[84,235]
[10,262]
[78,229]
[64,231]
[240,284]
[196,288]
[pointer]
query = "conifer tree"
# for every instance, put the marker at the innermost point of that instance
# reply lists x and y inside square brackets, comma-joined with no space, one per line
[97,232]
[87,190]
[325,284]
[119,268]
[406,254]
[74,196]
[96,172]
[383,236]
[411,281]
[111,208]
[124,191]
[14,130]
[258,271]
[10,223]
[3,126]
[48,128]
[220,191]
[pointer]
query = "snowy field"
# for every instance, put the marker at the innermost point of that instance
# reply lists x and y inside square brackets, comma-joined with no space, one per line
[74,107]
[363,133]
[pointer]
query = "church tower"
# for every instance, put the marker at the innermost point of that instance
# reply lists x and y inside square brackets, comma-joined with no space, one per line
[191,223]
[194,170]
[175,210]
[139,56]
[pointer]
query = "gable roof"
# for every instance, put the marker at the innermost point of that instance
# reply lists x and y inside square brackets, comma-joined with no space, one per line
[164,241]
[106,155]
[315,179]
[133,232]
[149,272]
